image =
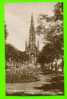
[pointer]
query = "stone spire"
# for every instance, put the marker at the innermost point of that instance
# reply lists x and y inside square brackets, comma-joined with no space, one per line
[26,46]
[31,48]
[32,34]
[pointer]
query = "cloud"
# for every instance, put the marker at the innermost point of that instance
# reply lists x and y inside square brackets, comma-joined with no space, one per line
[18,18]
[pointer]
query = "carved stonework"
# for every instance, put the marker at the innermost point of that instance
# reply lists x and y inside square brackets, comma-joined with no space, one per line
[31,48]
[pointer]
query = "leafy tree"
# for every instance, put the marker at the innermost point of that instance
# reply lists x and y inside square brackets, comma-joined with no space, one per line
[5,31]
[59,11]
[54,48]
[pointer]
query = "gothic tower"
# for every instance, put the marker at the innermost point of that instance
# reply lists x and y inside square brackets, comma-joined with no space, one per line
[31,48]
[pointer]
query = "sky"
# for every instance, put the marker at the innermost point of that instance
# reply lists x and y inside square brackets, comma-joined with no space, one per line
[17,19]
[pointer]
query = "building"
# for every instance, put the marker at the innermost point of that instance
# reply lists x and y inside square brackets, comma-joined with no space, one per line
[30,46]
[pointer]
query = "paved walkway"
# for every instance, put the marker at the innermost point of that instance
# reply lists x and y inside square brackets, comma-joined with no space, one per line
[29,87]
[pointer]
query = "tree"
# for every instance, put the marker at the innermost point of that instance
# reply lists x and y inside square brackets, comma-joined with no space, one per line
[54,47]
[58,11]
[5,31]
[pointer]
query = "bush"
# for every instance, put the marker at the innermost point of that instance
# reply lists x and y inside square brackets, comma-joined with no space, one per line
[26,74]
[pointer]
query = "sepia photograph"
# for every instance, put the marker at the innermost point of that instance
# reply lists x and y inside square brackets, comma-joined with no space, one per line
[34,49]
